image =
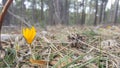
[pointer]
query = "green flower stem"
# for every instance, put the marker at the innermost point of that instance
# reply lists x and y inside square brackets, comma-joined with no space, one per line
[30,48]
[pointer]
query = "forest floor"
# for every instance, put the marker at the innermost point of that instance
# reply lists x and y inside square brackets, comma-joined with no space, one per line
[63,47]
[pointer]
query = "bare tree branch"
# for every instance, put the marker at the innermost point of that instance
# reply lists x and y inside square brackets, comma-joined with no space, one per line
[20,18]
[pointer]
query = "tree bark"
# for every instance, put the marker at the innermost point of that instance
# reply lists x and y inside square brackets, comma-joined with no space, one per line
[65,12]
[116,11]
[83,13]
[51,12]
[34,12]
[22,12]
[101,10]
[95,21]
[7,16]
[42,11]
[57,14]
[2,15]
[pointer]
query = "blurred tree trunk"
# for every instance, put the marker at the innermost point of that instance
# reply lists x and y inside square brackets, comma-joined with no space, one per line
[23,8]
[13,10]
[89,13]
[7,16]
[65,11]
[96,11]
[34,12]
[51,12]
[111,14]
[83,13]
[102,11]
[42,11]
[78,6]
[116,11]
[57,14]
[75,13]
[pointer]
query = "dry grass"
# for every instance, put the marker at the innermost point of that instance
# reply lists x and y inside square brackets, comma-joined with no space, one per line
[65,47]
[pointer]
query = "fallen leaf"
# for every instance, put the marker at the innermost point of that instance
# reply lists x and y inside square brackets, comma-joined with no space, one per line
[38,62]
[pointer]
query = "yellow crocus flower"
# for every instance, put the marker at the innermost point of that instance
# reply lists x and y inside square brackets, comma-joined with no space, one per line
[29,34]
[108,27]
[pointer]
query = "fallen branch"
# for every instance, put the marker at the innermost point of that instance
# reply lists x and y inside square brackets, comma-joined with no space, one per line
[2,15]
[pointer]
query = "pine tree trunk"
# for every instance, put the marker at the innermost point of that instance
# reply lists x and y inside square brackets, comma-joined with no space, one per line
[95,21]
[83,13]
[42,12]
[51,12]
[116,11]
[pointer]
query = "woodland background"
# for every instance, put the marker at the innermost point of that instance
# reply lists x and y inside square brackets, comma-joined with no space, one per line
[62,40]
[66,12]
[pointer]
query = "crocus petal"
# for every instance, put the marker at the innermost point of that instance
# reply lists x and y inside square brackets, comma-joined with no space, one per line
[29,34]
[33,33]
